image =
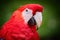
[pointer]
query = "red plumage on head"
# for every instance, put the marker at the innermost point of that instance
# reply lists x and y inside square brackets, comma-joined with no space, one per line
[34,7]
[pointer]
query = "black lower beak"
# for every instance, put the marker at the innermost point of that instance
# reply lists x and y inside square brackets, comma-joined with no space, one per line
[32,22]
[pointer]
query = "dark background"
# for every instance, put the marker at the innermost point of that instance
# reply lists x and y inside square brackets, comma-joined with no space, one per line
[50,28]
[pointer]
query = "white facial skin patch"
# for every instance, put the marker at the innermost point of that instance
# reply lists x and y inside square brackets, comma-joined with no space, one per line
[38,18]
[27,14]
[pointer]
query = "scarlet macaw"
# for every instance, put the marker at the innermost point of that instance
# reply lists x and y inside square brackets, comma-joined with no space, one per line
[22,23]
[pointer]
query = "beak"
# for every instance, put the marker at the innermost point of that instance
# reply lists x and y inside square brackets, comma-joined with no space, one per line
[32,22]
[38,18]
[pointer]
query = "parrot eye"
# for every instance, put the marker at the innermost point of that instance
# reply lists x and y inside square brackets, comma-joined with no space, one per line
[26,10]
[27,14]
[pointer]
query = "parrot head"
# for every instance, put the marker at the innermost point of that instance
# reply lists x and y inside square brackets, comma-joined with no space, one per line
[31,14]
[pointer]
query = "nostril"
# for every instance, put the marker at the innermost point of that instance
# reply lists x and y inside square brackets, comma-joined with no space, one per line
[26,10]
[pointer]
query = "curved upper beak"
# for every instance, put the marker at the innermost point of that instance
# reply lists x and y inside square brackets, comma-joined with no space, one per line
[38,18]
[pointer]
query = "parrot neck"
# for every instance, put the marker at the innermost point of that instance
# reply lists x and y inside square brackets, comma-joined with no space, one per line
[36,36]
[33,28]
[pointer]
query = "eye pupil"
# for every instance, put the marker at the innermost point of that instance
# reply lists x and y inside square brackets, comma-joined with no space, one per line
[26,10]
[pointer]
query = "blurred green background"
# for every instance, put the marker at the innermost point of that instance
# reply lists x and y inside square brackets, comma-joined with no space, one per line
[50,29]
